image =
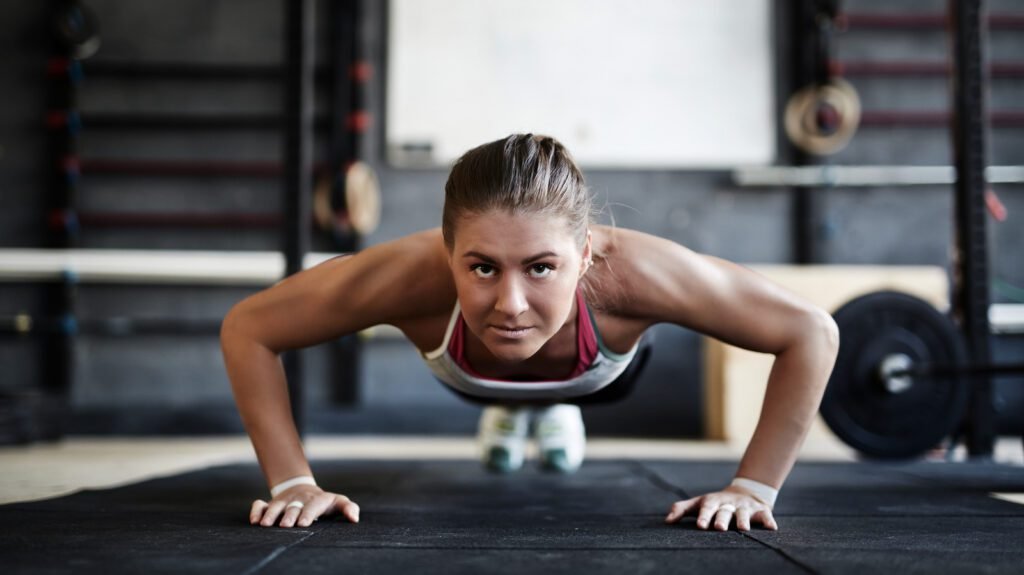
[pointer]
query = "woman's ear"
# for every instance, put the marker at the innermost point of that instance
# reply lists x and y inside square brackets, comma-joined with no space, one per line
[587,260]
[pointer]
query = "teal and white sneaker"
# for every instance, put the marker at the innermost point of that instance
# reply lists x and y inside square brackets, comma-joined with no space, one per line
[561,437]
[502,436]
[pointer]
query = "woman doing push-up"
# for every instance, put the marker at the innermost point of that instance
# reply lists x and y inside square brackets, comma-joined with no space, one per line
[519,302]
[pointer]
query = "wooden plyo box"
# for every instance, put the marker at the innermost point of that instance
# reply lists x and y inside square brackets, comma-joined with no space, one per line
[735,379]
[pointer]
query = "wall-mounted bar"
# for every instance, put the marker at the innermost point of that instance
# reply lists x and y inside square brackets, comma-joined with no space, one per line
[853,68]
[938,22]
[149,266]
[873,176]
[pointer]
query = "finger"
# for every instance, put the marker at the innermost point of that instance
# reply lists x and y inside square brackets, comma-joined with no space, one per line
[743,519]
[679,509]
[347,507]
[290,515]
[723,518]
[771,521]
[767,519]
[706,513]
[272,513]
[256,512]
[322,505]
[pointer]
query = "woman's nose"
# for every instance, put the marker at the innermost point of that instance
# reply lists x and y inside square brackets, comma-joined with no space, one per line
[511,299]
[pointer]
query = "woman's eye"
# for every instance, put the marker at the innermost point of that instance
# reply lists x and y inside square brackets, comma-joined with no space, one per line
[482,270]
[540,270]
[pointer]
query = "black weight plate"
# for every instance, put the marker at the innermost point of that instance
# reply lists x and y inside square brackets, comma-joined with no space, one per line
[857,406]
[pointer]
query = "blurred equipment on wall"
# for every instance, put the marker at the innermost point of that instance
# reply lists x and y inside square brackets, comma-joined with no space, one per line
[823,116]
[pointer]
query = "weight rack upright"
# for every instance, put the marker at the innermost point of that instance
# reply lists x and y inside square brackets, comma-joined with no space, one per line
[967,23]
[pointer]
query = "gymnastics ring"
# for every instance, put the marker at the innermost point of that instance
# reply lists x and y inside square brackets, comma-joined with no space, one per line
[359,191]
[821,120]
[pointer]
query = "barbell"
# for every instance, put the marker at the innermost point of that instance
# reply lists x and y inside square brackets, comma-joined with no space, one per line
[900,383]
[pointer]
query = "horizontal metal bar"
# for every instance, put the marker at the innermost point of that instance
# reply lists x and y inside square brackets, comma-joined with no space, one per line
[905,68]
[921,21]
[171,220]
[925,370]
[861,176]
[178,220]
[148,266]
[183,168]
[927,119]
[25,325]
[190,71]
[1006,318]
[99,121]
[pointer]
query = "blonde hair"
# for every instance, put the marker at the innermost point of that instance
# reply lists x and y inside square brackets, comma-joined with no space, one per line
[523,173]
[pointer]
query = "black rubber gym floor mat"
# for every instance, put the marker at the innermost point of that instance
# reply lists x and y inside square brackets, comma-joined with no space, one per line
[453,517]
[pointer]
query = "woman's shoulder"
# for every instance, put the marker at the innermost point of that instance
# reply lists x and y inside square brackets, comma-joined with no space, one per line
[417,271]
[624,243]
[419,286]
[630,268]
[425,247]
[623,257]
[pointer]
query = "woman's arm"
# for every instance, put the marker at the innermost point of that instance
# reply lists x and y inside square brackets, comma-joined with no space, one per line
[338,297]
[742,308]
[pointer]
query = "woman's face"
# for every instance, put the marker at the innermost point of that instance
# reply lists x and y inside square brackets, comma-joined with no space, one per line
[516,278]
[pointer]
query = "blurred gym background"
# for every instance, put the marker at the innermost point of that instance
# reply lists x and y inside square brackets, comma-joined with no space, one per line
[177,126]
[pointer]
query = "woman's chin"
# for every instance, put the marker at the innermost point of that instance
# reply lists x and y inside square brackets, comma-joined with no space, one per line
[511,352]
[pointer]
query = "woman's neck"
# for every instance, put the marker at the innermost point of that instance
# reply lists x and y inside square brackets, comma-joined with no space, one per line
[556,359]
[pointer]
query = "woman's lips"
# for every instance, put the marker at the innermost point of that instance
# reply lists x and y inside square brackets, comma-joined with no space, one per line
[511,332]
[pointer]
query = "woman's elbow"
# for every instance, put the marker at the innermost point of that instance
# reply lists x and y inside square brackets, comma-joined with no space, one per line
[814,329]
[244,327]
[824,332]
[233,326]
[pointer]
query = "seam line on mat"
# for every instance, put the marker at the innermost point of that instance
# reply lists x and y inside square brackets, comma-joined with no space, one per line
[274,555]
[403,547]
[656,479]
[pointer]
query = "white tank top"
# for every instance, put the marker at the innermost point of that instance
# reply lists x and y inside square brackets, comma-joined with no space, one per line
[607,366]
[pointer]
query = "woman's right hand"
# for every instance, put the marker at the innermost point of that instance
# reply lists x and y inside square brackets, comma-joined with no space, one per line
[315,503]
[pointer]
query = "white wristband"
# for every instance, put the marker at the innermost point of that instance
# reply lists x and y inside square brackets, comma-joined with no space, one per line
[300,480]
[765,493]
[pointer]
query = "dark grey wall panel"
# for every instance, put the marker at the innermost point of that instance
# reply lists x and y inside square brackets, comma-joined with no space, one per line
[22,139]
[907,226]
[152,370]
[248,31]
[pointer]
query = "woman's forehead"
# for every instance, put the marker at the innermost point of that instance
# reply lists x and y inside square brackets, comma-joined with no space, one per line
[513,234]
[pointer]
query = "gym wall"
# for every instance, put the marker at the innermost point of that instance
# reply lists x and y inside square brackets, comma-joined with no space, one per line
[176,384]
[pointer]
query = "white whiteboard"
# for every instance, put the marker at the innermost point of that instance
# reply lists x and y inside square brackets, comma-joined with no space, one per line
[622,83]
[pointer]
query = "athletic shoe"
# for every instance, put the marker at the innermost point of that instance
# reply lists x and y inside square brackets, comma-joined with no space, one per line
[561,437]
[502,435]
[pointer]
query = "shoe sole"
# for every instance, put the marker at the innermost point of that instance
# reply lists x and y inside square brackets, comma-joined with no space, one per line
[499,460]
[557,460]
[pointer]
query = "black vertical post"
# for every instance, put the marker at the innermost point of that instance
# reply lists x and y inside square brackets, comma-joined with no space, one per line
[298,163]
[57,350]
[971,298]
[344,56]
[811,24]
[804,63]
[346,105]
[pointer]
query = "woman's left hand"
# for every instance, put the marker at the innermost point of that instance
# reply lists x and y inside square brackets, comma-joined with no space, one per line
[721,506]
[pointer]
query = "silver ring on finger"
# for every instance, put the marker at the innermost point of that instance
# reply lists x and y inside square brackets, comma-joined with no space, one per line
[298,504]
[727,507]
